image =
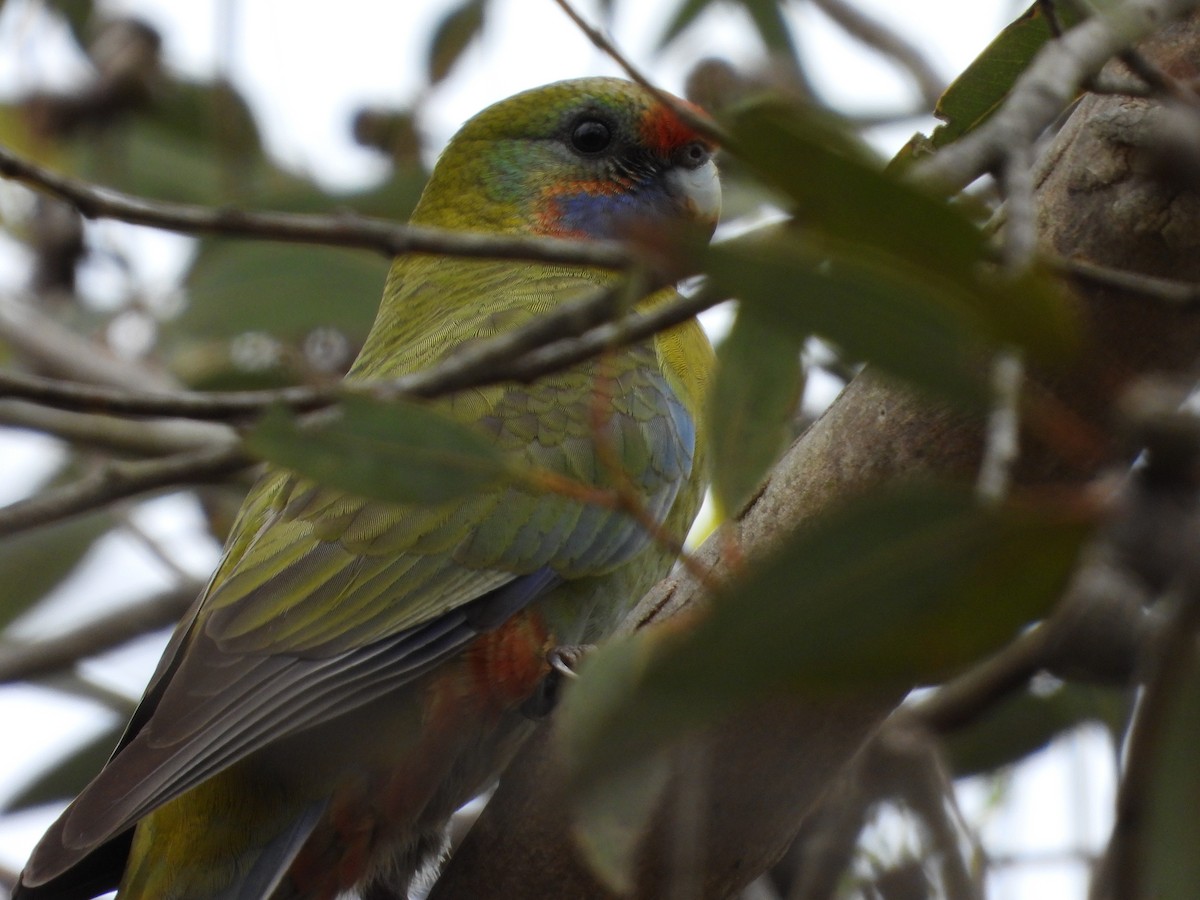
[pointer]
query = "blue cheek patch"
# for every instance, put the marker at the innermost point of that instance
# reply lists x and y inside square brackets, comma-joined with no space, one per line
[606,216]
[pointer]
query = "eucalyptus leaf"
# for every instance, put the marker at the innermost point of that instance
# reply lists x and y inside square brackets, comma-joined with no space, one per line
[33,562]
[1169,839]
[400,451]
[756,389]
[67,777]
[453,35]
[899,588]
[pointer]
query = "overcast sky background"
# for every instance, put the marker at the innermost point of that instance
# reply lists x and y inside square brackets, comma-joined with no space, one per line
[305,72]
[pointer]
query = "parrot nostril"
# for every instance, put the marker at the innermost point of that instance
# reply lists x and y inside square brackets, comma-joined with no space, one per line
[692,155]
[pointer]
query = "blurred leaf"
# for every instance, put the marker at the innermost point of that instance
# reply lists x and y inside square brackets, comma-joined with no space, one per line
[68,777]
[78,16]
[757,386]
[686,13]
[33,562]
[609,823]
[197,143]
[898,588]
[766,15]
[1168,834]
[771,26]
[239,286]
[1025,723]
[399,451]
[880,234]
[878,310]
[458,28]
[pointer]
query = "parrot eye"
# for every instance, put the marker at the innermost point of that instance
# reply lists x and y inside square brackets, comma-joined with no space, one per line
[591,136]
[693,155]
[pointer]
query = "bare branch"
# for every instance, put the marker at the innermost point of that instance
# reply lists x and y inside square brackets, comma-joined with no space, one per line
[699,122]
[887,42]
[154,438]
[1168,290]
[36,659]
[344,230]
[119,480]
[572,333]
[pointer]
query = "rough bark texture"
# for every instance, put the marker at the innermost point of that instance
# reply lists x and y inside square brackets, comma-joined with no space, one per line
[1107,194]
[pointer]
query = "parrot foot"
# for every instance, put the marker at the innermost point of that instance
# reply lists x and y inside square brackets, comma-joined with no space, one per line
[563,662]
[565,659]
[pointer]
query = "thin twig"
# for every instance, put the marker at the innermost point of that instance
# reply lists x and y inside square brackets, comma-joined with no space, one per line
[1177,293]
[690,115]
[523,354]
[336,231]
[872,32]
[118,481]
[1002,444]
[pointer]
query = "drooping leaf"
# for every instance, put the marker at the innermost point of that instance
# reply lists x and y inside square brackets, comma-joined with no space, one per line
[1169,837]
[874,309]
[754,395]
[237,286]
[771,26]
[611,822]
[400,451]
[861,229]
[67,777]
[1027,722]
[898,588]
[457,29]
[685,14]
[34,562]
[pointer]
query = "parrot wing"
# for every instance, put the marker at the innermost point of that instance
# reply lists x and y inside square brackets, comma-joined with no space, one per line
[325,602]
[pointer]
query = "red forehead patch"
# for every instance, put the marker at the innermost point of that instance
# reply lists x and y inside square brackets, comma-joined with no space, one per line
[663,131]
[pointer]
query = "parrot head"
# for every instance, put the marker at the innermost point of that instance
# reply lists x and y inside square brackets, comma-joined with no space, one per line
[588,158]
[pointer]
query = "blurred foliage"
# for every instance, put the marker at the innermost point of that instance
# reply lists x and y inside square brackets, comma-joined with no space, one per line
[903,587]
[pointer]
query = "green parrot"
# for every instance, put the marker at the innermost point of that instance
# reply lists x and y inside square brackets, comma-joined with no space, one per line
[356,670]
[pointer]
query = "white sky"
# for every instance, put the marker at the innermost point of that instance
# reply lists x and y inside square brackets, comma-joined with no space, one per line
[305,73]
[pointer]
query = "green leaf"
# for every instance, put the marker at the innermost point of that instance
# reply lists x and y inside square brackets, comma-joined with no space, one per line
[772,27]
[1025,723]
[878,309]
[453,35]
[897,589]
[32,563]
[687,13]
[757,386]
[858,228]
[610,823]
[978,92]
[399,451]
[68,777]
[239,286]
[1169,836]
